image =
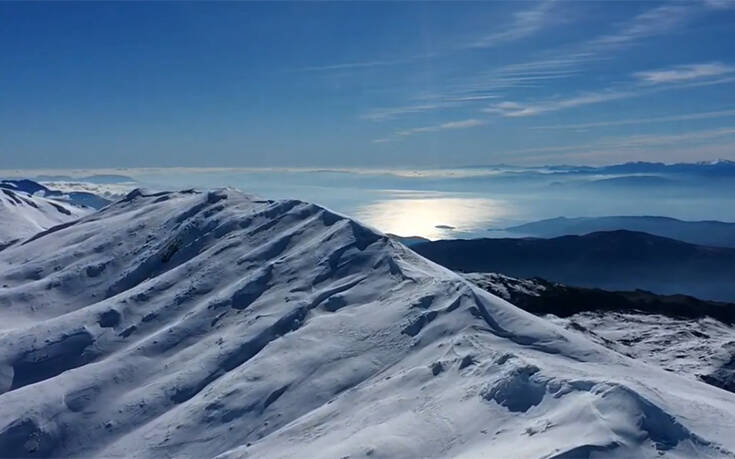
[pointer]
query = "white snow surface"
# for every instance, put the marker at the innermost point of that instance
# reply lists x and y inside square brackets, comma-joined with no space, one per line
[217,324]
[684,346]
[690,347]
[22,215]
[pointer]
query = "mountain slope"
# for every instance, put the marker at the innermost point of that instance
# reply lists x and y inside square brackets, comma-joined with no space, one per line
[616,260]
[712,233]
[23,215]
[196,324]
[676,332]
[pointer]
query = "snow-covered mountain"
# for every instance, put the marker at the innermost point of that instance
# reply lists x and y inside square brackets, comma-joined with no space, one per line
[77,193]
[203,324]
[23,215]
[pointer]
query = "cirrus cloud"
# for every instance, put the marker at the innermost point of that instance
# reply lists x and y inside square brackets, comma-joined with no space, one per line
[685,73]
[448,126]
[516,109]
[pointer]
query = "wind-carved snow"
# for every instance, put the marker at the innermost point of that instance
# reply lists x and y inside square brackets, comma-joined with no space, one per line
[202,324]
[23,215]
[700,348]
[697,341]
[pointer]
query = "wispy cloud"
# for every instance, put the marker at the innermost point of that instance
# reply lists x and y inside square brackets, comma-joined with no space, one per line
[660,119]
[481,87]
[381,114]
[451,125]
[669,139]
[656,21]
[557,64]
[455,97]
[517,109]
[523,24]
[720,4]
[472,98]
[371,63]
[351,65]
[448,126]
[648,82]
[385,140]
[685,73]
[567,61]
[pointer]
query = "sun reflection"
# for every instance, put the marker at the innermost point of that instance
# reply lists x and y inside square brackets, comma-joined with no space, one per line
[432,218]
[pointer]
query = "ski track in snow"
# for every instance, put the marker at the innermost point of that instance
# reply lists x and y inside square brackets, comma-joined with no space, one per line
[201,324]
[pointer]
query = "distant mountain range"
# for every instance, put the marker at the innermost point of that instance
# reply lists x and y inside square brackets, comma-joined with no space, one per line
[618,260]
[707,232]
[681,179]
[672,180]
[720,167]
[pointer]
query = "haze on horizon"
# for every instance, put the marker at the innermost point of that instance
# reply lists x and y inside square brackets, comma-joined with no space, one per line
[102,85]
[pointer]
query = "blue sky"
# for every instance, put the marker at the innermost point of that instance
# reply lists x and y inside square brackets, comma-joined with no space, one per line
[365,84]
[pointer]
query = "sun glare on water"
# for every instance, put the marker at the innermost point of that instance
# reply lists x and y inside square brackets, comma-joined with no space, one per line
[432,218]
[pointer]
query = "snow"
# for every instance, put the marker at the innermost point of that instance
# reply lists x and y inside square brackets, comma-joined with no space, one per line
[694,348]
[23,215]
[699,346]
[219,324]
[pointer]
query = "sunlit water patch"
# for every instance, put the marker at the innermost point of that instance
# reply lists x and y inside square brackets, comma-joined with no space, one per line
[433,216]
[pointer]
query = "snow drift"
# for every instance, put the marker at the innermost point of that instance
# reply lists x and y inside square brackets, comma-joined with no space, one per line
[203,324]
[23,215]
